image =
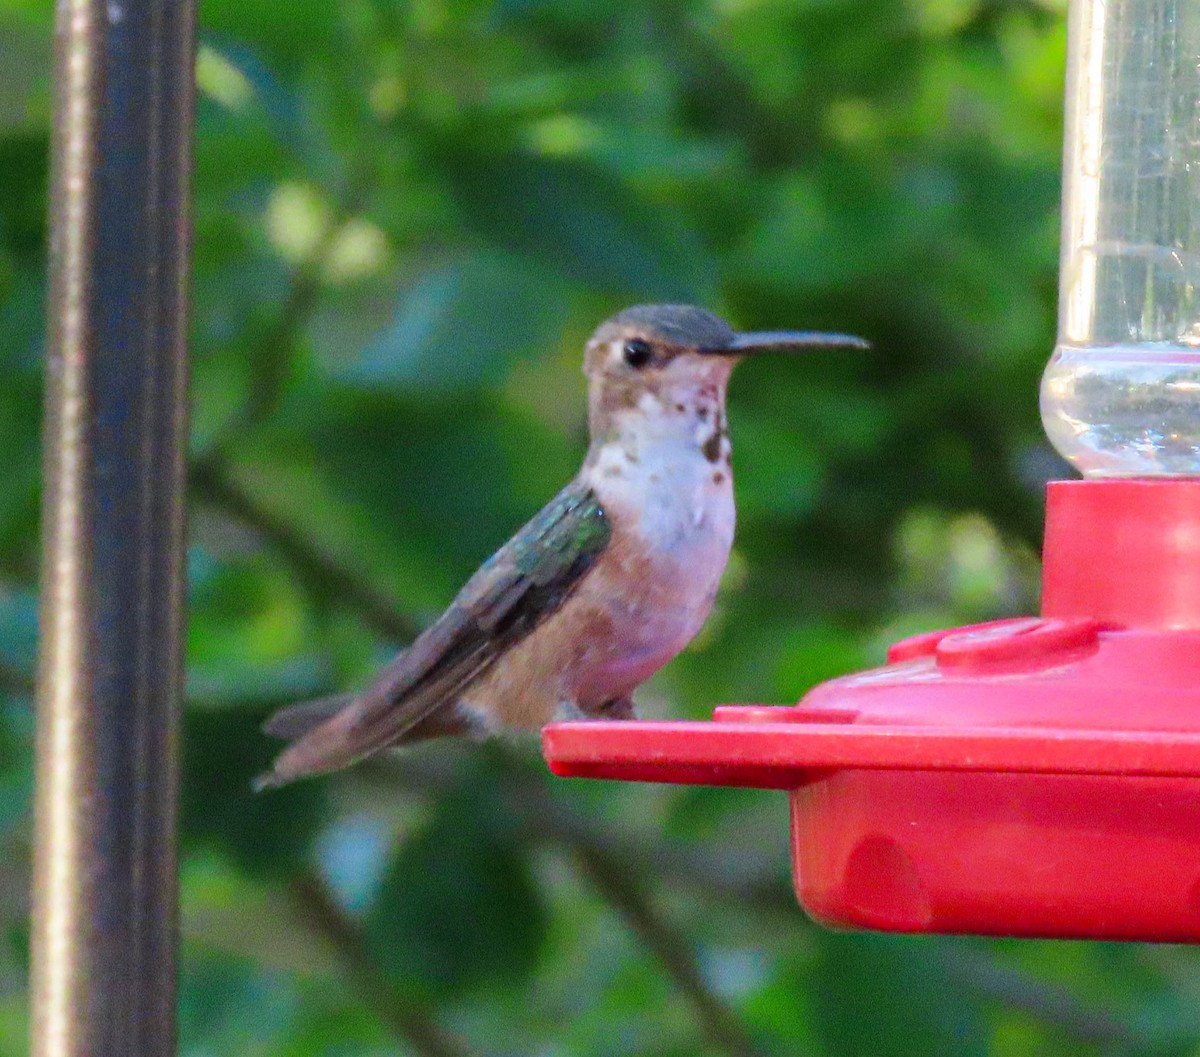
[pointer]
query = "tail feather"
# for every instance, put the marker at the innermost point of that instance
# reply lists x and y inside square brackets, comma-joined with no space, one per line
[293,724]
[295,721]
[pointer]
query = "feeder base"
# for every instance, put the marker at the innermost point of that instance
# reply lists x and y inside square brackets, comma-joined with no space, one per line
[1029,777]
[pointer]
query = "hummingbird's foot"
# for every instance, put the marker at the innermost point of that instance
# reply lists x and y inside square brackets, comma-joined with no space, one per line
[569,712]
[617,708]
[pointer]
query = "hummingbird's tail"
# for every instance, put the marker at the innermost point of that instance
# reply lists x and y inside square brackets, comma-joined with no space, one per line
[339,741]
[295,721]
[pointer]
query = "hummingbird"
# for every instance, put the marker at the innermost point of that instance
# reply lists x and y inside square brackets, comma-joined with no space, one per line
[609,582]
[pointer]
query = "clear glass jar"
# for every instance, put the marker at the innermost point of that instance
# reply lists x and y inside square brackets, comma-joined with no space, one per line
[1121,395]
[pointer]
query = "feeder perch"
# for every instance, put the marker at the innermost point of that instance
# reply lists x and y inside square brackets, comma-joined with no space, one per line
[1037,776]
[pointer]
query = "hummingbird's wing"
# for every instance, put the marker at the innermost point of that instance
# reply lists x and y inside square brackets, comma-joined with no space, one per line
[522,584]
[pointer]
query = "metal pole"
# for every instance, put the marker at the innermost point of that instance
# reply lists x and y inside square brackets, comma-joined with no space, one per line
[105,880]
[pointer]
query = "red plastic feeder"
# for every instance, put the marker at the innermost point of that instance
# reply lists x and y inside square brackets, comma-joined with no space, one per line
[1041,776]
[1028,777]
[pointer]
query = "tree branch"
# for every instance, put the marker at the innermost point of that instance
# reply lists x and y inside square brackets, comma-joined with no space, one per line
[1043,1000]
[272,350]
[323,577]
[543,819]
[617,885]
[409,1021]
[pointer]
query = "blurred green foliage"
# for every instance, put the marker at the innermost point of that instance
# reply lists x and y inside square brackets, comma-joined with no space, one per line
[408,217]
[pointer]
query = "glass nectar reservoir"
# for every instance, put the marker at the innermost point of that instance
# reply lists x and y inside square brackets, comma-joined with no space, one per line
[1121,395]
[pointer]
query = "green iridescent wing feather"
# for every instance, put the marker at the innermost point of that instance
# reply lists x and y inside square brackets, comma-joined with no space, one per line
[516,589]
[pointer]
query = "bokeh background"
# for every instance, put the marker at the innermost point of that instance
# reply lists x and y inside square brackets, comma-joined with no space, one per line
[409,216]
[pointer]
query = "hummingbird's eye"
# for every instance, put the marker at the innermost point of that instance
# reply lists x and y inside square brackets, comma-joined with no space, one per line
[637,352]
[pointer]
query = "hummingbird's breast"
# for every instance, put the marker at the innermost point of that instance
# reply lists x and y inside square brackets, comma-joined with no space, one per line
[667,492]
[672,511]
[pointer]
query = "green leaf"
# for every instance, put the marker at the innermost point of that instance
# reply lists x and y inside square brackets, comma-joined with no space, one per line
[323,1023]
[581,221]
[777,471]
[16,765]
[812,653]
[250,631]
[18,629]
[459,908]
[288,43]
[266,834]
[217,996]
[460,327]
[883,996]
[23,159]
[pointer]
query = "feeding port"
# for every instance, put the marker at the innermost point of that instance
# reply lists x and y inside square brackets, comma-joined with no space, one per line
[1037,776]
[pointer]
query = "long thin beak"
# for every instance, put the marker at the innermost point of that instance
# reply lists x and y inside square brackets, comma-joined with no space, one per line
[785,341]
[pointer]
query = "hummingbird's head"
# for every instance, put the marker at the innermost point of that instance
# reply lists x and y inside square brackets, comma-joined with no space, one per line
[665,361]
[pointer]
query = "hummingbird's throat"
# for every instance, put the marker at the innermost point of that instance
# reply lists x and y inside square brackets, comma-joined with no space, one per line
[685,423]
